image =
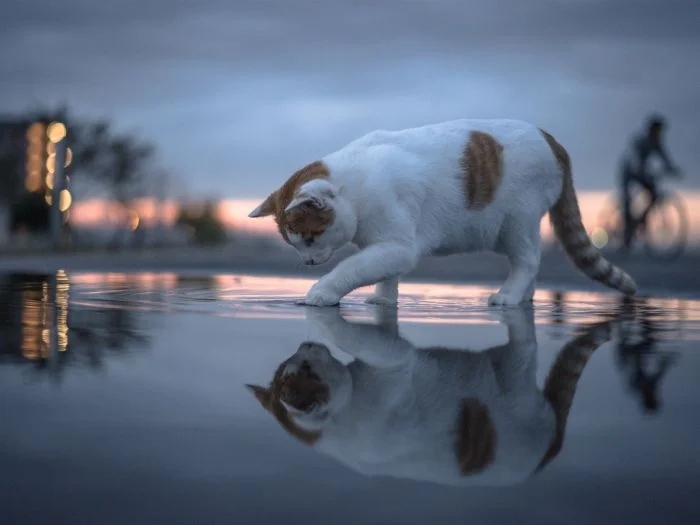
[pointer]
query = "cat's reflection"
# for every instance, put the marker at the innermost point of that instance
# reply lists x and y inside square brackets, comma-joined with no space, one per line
[447,416]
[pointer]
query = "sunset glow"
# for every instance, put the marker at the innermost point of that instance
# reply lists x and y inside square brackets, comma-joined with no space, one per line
[233,213]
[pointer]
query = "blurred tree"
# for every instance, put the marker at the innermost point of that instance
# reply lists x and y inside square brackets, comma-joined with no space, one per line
[120,162]
[205,226]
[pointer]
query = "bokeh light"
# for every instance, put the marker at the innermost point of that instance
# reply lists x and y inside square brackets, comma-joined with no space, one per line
[56,132]
[134,220]
[51,163]
[35,132]
[32,184]
[599,237]
[65,200]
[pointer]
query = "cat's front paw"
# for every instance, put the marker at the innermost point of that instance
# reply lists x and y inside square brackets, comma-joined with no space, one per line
[502,299]
[381,300]
[320,295]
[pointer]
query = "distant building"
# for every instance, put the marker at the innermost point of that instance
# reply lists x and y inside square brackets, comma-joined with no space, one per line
[13,155]
[27,163]
[12,166]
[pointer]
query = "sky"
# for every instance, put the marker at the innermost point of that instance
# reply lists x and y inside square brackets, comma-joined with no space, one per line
[238,94]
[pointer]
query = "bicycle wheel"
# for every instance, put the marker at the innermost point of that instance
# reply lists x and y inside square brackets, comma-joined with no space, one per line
[666,230]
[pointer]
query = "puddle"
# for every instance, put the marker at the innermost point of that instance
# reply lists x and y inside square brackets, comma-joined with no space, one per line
[124,400]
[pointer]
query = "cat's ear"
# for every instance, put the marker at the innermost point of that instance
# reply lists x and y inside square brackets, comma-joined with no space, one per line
[317,198]
[261,393]
[311,202]
[267,207]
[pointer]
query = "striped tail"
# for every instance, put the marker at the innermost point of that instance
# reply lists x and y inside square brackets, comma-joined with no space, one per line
[562,380]
[568,227]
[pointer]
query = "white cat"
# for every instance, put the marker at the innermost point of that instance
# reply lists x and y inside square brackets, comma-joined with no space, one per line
[453,187]
[446,416]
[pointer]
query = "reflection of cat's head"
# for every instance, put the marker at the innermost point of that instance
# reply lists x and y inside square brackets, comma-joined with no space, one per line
[311,385]
[306,388]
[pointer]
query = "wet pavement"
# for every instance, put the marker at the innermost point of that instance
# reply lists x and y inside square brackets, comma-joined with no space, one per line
[123,399]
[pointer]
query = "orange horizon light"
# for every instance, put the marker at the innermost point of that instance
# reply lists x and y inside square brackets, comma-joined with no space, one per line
[233,213]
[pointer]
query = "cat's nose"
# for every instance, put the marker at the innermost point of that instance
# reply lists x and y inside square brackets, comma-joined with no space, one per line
[309,262]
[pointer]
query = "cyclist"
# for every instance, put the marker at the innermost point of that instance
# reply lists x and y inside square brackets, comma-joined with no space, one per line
[635,168]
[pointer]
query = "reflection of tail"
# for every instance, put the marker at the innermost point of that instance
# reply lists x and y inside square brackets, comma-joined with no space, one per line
[560,385]
[568,227]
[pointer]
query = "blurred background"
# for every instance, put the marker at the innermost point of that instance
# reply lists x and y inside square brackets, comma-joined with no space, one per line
[177,117]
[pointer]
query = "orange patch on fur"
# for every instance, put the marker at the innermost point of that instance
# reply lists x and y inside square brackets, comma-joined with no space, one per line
[476,437]
[300,390]
[482,169]
[305,221]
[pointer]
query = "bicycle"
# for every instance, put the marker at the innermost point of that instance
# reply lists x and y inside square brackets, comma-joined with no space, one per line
[661,225]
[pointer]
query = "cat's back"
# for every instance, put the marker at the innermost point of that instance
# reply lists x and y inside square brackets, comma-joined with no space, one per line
[429,153]
[438,136]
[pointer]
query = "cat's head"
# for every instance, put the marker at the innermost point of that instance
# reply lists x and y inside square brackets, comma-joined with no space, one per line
[310,214]
[307,389]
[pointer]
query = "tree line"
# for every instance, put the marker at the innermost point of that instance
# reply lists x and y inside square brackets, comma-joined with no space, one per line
[120,164]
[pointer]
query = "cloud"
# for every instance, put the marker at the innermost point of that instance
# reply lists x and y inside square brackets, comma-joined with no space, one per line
[239,93]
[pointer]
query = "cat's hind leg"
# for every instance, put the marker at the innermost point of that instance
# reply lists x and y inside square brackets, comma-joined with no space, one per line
[522,247]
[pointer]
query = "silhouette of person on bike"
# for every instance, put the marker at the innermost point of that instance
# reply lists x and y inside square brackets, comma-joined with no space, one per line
[635,170]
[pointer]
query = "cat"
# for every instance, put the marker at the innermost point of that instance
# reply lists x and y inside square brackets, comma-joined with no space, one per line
[450,417]
[453,187]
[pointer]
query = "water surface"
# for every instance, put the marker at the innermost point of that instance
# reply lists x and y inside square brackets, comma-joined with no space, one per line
[123,400]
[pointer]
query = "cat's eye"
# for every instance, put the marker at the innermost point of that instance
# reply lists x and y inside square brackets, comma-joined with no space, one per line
[309,241]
